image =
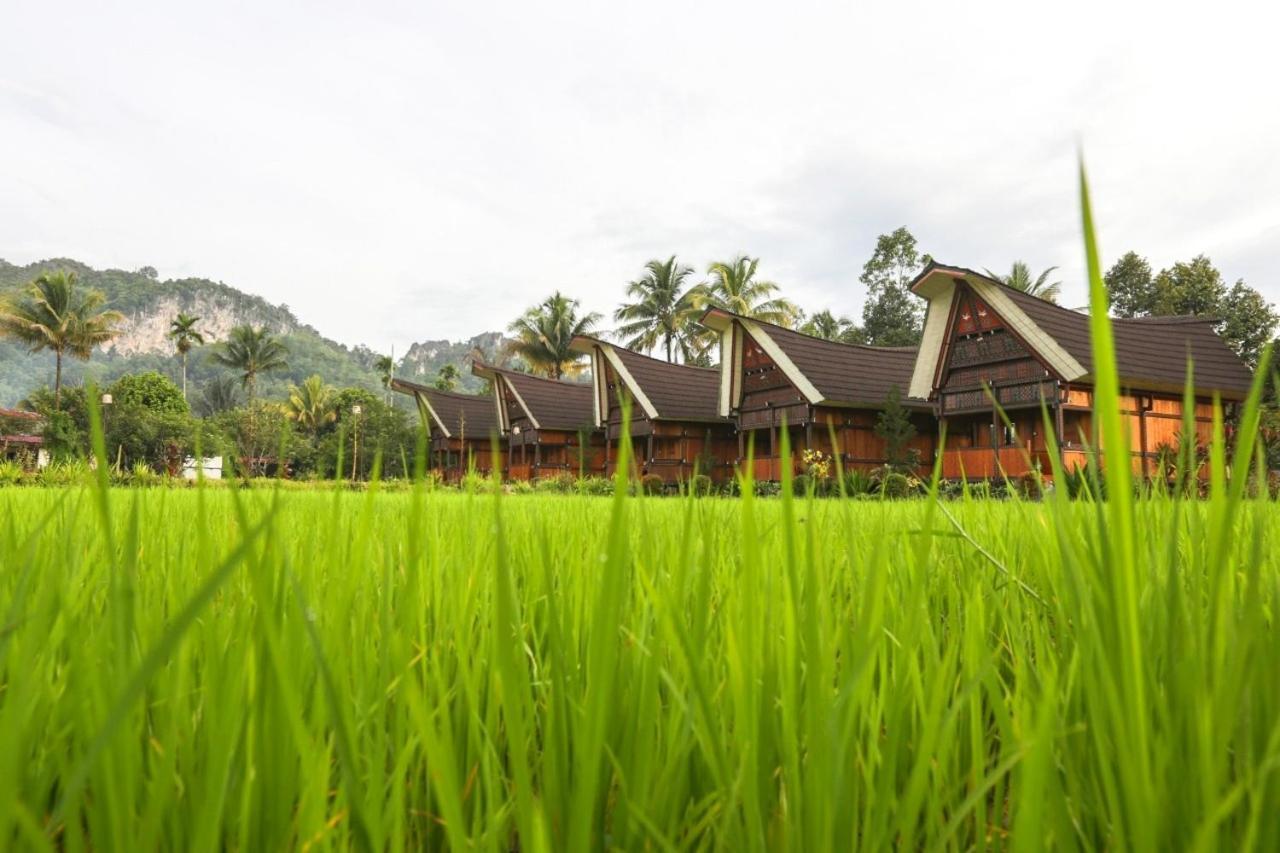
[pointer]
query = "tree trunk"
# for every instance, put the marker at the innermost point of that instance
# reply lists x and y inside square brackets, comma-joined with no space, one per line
[184,377]
[668,348]
[57,380]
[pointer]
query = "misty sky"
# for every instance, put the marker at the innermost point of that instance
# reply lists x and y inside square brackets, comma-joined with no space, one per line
[403,171]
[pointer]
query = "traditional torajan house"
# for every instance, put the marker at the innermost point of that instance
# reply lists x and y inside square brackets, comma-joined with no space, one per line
[20,439]
[676,428]
[462,429]
[771,376]
[549,426]
[983,339]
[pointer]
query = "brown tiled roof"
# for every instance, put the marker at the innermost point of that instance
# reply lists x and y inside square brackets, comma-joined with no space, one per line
[1151,352]
[553,404]
[849,374]
[473,415]
[679,392]
[19,414]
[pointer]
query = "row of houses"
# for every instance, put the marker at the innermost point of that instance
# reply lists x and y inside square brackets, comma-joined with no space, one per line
[989,356]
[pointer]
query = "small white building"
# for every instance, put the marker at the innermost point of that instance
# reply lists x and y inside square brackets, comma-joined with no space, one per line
[211,466]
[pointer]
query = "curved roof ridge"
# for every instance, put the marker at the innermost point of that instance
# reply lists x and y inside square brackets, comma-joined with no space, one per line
[513,372]
[868,347]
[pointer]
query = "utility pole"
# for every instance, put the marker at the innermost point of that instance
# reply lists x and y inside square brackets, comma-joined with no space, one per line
[355,440]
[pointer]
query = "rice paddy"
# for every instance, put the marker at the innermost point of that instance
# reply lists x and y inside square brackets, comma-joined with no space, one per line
[211,669]
[252,670]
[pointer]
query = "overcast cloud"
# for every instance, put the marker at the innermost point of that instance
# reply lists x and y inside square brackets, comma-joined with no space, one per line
[403,171]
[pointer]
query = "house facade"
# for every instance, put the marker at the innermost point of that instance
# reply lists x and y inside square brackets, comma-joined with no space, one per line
[675,426]
[548,425]
[986,343]
[826,395]
[462,430]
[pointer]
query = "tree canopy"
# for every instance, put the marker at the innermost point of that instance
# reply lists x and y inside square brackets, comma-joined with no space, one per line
[892,315]
[543,334]
[52,313]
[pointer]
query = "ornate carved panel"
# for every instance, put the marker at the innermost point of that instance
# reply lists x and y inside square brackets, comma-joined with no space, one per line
[998,346]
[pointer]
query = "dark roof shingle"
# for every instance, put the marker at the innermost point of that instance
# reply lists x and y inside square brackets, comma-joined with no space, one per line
[553,404]
[849,374]
[472,415]
[1151,352]
[678,392]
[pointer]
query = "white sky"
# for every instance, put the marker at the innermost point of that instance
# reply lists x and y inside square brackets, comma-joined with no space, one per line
[403,171]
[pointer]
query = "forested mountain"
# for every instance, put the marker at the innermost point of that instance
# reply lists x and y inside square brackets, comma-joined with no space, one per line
[149,305]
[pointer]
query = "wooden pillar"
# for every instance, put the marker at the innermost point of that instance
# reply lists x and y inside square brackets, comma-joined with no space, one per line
[1143,405]
[1060,425]
[995,434]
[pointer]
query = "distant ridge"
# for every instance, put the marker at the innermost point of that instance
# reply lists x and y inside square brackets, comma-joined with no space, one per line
[149,304]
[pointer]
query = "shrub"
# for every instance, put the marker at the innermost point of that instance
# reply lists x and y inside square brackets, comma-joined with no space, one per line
[594,486]
[10,473]
[558,484]
[700,485]
[895,486]
[857,482]
[652,484]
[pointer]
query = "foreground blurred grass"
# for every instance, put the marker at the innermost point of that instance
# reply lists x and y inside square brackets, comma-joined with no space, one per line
[441,670]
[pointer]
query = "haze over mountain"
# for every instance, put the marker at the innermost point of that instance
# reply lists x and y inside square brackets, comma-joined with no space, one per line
[149,304]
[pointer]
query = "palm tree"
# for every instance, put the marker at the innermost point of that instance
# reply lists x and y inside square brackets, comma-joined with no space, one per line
[829,327]
[544,332]
[251,352]
[663,311]
[1020,278]
[311,404]
[219,396]
[51,313]
[734,287]
[183,333]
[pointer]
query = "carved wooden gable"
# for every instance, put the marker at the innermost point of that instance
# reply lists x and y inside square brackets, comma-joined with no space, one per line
[983,351]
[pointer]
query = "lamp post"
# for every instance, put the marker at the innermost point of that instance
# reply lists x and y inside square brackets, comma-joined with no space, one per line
[107,400]
[355,439]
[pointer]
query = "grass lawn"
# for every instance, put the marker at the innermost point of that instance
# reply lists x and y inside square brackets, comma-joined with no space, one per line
[205,669]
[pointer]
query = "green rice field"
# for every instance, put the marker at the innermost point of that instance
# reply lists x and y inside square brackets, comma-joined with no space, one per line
[214,669]
[200,670]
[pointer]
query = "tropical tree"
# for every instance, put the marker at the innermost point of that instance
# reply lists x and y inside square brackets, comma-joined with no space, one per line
[447,378]
[251,352]
[311,404]
[544,332]
[219,395]
[734,287]
[52,313]
[662,311]
[829,327]
[1131,286]
[1020,278]
[185,336]
[892,315]
[386,368]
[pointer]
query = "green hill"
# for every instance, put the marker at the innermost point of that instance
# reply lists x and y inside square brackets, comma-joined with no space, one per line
[149,304]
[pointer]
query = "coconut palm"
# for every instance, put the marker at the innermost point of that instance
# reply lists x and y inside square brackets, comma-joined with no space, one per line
[52,313]
[663,312]
[311,405]
[1020,278]
[734,287]
[183,333]
[219,395]
[829,327]
[544,332]
[251,352]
